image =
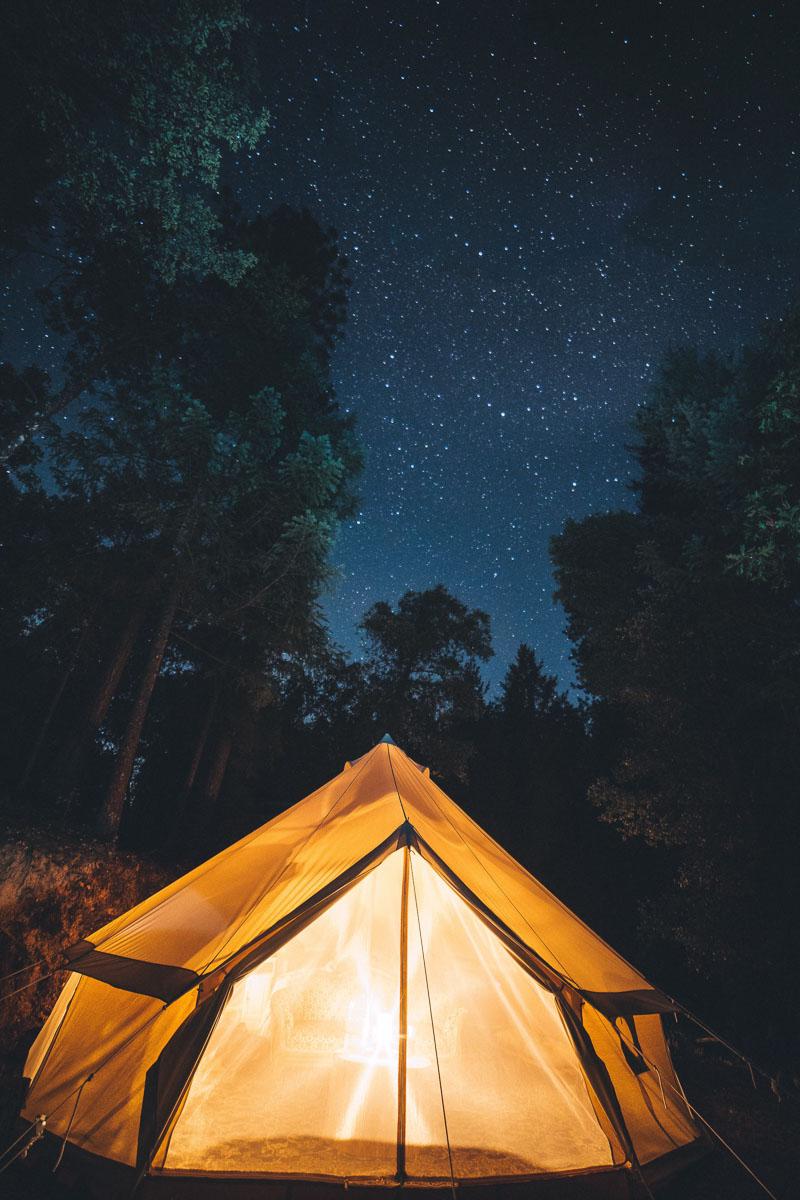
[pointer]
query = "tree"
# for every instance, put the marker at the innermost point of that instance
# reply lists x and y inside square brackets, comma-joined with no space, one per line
[527,692]
[228,522]
[698,661]
[205,496]
[423,674]
[770,545]
[419,680]
[118,117]
[529,775]
[117,120]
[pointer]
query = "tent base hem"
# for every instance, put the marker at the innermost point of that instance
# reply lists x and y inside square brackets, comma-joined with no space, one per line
[409,1182]
[104,1179]
[677,1160]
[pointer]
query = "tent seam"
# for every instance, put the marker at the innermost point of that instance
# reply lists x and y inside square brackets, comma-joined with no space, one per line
[396,788]
[565,974]
[277,878]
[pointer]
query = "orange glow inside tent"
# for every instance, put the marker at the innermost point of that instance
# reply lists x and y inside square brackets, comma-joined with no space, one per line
[371,990]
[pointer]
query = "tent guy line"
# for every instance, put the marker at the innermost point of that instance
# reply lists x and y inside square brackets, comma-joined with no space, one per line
[21,970]
[433,1025]
[726,1145]
[31,983]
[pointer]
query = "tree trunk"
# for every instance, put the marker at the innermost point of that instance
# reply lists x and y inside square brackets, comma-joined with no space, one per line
[106,687]
[111,812]
[202,741]
[33,757]
[114,663]
[217,767]
[197,757]
[215,775]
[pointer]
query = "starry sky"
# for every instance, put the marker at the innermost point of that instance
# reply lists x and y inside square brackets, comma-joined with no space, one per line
[535,198]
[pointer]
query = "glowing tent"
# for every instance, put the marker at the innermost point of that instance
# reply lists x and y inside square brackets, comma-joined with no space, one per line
[366,990]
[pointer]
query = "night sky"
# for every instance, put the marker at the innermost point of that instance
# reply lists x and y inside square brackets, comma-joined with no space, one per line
[535,200]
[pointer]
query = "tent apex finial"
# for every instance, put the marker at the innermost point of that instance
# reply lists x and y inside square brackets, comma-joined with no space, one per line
[387,737]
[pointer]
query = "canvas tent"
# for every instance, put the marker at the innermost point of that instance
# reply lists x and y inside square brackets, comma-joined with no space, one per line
[366,990]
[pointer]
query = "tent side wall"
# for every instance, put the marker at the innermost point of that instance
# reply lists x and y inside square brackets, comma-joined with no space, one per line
[433,898]
[199,921]
[96,1030]
[91,1078]
[112,1038]
[505,1062]
[536,916]
[39,1050]
[649,1096]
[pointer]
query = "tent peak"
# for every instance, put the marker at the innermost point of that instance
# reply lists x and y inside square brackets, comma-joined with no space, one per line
[387,737]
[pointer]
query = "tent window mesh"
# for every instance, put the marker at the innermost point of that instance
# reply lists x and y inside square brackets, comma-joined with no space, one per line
[300,1076]
[514,1092]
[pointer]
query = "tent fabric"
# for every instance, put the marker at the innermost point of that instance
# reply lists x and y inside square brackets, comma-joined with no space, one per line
[325,1009]
[202,919]
[650,1099]
[207,916]
[506,1060]
[104,1047]
[366,987]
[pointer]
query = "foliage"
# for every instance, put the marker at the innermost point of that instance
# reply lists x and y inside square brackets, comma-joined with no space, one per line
[686,627]
[119,117]
[770,548]
[423,680]
[185,518]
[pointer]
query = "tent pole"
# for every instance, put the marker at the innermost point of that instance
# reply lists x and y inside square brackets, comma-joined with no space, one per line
[402,1041]
[433,1029]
